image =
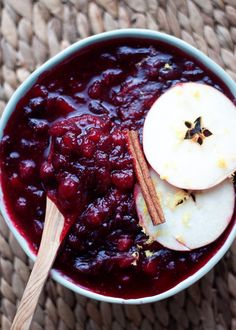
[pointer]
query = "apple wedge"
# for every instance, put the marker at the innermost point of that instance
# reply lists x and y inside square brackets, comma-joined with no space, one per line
[189,136]
[192,219]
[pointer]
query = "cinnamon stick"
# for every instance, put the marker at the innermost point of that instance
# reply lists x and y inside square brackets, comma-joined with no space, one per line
[144,179]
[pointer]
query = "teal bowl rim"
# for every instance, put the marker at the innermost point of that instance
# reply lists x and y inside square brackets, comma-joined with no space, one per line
[28,83]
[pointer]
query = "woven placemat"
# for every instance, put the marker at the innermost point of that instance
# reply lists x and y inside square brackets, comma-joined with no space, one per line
[32,31]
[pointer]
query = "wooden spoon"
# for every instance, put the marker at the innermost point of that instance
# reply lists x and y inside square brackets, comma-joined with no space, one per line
[50,242]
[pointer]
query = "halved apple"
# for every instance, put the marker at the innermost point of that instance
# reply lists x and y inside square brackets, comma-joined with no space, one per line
[192,218]
[189,136]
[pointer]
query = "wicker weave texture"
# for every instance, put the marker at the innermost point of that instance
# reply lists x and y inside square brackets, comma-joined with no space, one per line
[31,32]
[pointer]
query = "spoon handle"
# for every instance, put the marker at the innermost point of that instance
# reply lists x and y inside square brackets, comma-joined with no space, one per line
[49,245]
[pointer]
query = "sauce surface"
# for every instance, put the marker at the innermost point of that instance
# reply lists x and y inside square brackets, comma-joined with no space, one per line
[66,137]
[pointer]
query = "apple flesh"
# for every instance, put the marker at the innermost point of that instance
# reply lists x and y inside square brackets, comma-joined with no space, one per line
[192,219]
[189,136]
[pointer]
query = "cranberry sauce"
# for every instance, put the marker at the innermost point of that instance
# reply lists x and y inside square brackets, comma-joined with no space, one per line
[66,137]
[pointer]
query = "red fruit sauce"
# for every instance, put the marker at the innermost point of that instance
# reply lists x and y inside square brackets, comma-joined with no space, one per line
[66,137]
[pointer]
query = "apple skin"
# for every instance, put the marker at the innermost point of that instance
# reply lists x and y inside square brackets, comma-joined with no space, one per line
[190,224]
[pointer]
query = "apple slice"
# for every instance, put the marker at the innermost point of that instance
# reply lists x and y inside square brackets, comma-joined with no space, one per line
[189,136]
[192,219]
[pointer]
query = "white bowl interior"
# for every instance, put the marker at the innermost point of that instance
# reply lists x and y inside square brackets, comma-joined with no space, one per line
[125,33]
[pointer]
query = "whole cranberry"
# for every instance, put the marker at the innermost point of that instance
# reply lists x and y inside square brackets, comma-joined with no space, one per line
[124,243]
[58,104]
[70,140]
[96,89]
[123,179]
[46,171]
[95,217]
[40,126]
[101,158]
[21,205]
[97,108]
[59,161]
[125,260]
[15,181]
[94,135]
[103,177]
[112,76]
[87,148]
[118,138]
[105,143]
[150,266]
[27,169]
[68,187]
[37,104]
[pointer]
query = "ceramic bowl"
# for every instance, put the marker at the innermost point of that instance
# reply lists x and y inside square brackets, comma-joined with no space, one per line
[78,46]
